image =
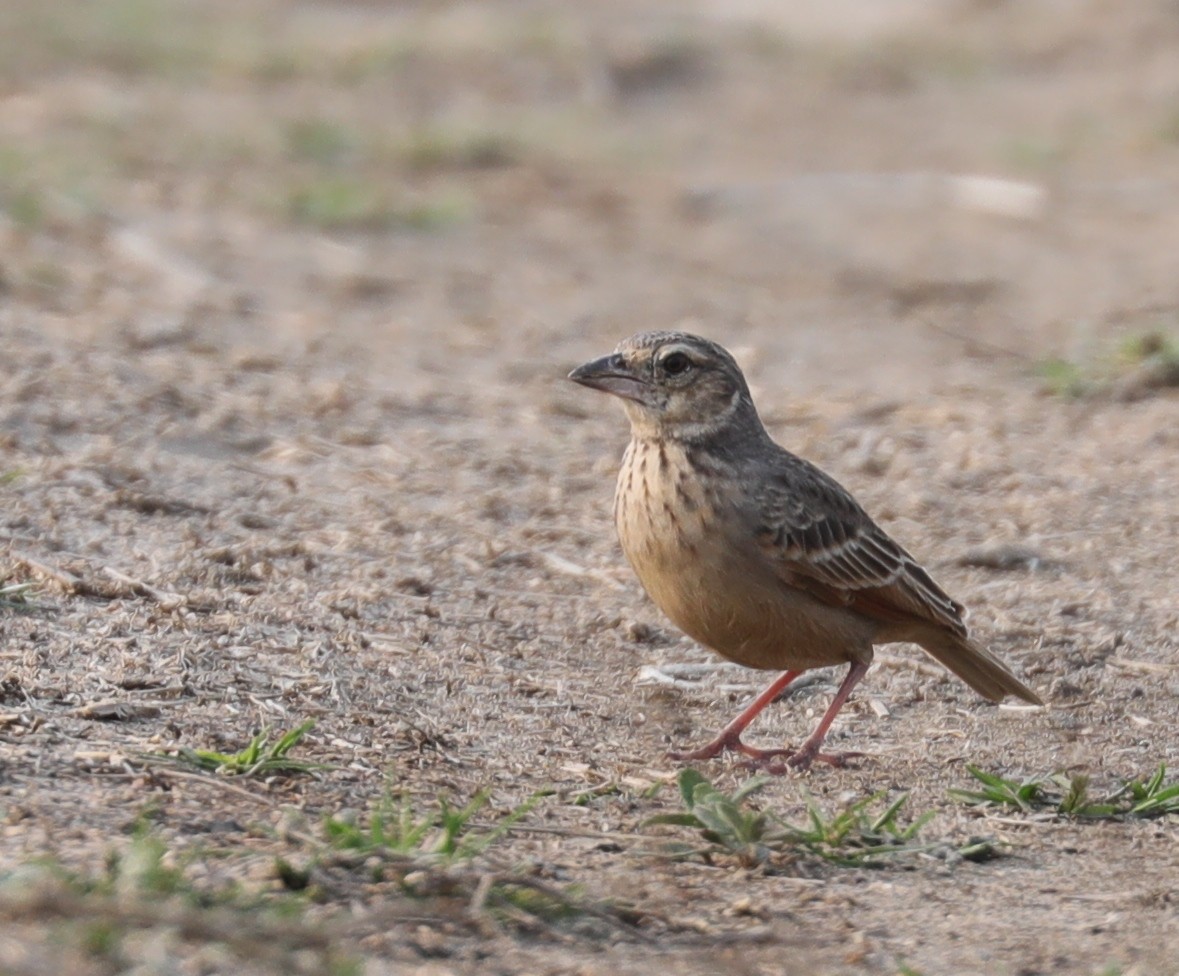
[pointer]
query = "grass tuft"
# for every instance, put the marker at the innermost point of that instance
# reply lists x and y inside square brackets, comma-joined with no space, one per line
[445,833]
[865,833]
[349,203]
[261,757]
[143,869]
[15,596]
[340,203]
[429,854]
[1140,363]
[1064,378]
[1069,795]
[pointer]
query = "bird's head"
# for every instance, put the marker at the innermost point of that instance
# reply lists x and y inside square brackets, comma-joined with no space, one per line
[674,385]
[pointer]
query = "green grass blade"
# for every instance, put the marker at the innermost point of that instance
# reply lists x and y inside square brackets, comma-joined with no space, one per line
[690,780]
[886,821]
[674,820]
[750,786]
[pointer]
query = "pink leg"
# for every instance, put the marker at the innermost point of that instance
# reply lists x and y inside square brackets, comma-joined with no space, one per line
[730,737]
[809,750]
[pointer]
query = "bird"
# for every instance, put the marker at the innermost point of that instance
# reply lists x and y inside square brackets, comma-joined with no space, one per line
[757,553]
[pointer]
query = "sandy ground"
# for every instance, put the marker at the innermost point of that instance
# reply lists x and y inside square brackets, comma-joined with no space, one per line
[287,296]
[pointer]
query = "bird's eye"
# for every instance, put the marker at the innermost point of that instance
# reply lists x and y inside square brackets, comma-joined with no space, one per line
[675,364]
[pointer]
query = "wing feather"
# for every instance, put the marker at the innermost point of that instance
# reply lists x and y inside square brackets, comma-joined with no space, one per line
[822,541]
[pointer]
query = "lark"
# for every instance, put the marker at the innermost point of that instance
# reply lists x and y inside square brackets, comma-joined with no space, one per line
[757,553]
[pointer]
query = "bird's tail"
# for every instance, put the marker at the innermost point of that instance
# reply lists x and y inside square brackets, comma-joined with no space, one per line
[977,666]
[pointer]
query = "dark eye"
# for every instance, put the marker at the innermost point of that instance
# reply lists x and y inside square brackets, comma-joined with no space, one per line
[675,364]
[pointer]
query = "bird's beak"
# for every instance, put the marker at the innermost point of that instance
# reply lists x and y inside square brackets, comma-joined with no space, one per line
[611,374]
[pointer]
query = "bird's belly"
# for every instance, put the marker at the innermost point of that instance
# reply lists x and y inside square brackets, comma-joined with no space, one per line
[720,592]
[753,621]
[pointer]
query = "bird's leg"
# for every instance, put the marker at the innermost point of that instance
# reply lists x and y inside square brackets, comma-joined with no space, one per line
[730,737]
[808,752]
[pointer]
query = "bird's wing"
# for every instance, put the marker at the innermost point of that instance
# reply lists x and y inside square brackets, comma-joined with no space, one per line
[820,540]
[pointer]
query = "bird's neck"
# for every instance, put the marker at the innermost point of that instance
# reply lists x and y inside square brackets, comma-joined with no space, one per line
[732,432]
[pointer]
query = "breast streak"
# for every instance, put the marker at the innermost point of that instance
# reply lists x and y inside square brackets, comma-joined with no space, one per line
[717,589]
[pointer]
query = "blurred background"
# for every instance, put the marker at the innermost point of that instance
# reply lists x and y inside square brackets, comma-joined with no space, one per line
[487,188]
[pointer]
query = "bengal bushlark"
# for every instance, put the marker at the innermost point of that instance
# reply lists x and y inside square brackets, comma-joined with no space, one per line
[757,553]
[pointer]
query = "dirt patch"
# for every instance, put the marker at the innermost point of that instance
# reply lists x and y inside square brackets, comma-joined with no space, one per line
[288,298]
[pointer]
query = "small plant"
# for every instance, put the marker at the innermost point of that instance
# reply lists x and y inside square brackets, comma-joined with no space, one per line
[855,836]
[1142,362]
[339,203]
[1002,792]
[723,819]
[1075,800]
[355,204]
[445,833]
[429,853]
[1069,795]
[261,757]
[1064,378]
[142,869]
[1149,346]
[15,596]
[1155,797]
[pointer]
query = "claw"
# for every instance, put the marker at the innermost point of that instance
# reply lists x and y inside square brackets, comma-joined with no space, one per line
[802,759]
[729,743]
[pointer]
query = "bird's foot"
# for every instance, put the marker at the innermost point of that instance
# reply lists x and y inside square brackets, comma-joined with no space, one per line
[800,759]
[731,743]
